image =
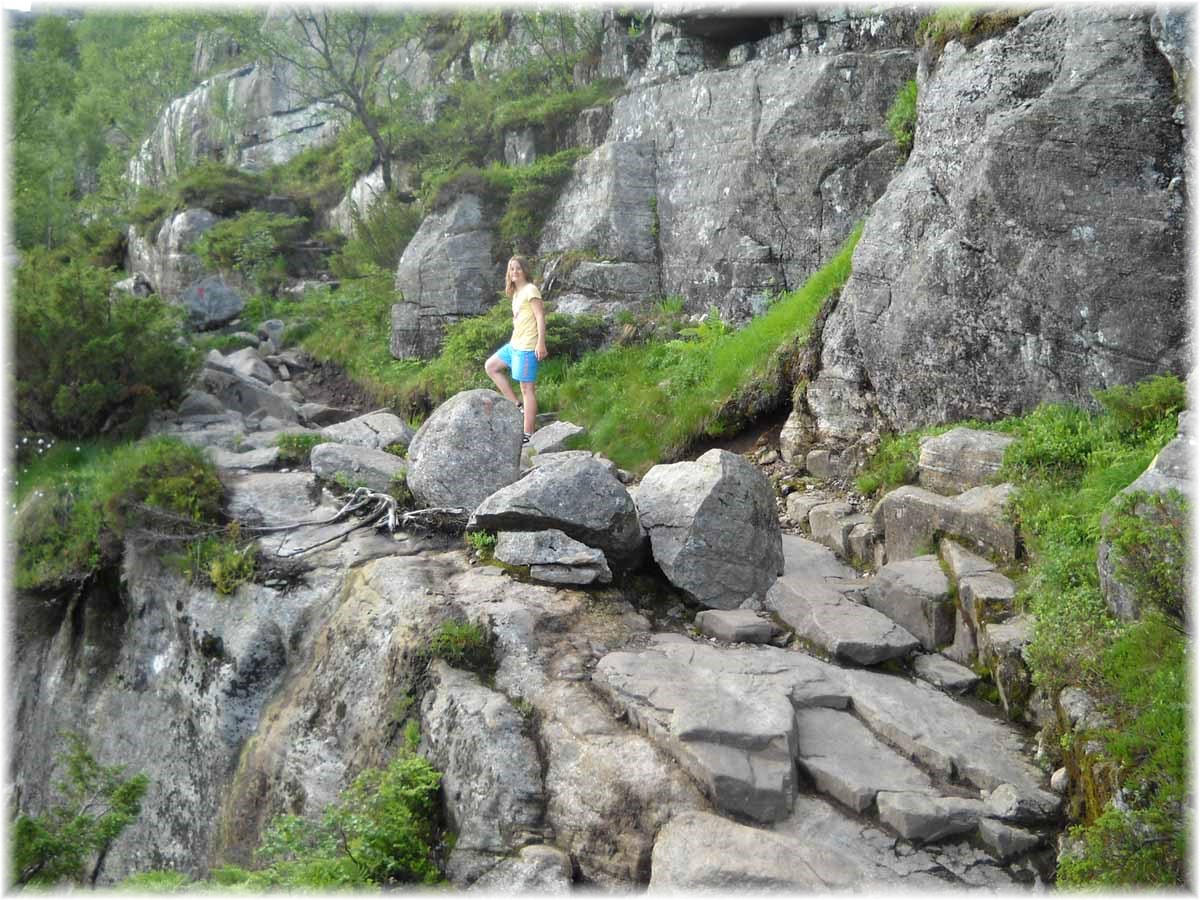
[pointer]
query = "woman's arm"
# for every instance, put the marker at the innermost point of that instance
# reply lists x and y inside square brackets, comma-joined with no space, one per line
[539,316]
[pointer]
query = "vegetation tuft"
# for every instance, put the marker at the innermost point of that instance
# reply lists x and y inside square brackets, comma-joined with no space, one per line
[902,116]
[968,25]
[465,645]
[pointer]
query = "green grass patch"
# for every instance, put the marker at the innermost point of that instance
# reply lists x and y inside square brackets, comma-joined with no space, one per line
[296,449]
[78,505]
[969,25]
[645,403]
[465,645]
[902,116]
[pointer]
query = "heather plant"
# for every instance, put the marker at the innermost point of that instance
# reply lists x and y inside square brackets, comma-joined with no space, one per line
[91,362]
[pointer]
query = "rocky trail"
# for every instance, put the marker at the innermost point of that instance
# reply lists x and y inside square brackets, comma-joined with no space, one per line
[807,736]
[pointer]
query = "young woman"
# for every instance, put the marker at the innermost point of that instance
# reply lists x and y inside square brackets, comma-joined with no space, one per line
[527,346]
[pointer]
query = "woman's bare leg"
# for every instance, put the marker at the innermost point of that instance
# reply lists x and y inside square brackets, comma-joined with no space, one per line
[495,368]
[530,398]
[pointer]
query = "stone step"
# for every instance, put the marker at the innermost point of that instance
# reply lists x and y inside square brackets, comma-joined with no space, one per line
[811,598]
[911,517]
[915,594]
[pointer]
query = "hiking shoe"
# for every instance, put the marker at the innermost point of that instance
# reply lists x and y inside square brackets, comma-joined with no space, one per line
[525,439]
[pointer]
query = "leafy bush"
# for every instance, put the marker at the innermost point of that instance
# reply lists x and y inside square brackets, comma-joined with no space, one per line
[379,832]
[555,108]
[90,363]
[222,190]
[464,645]
[251,244]
[223,561]
[483,543]
[902,116]
[967,24]
[74,516]
[1148,536]
[380,236]
[296,449]
[95,804]
[1146,410]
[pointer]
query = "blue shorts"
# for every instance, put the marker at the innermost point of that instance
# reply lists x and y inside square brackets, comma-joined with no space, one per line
[523,363]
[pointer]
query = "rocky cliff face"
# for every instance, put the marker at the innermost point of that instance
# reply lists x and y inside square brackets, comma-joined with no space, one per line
[1033,246]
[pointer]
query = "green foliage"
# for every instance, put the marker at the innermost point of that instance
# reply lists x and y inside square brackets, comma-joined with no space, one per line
[902,116]
[161,881]
[464,645]
[224,561]
[556,108]
[251,244]
[1142,841]
[95,804]
[1055,443]
[379,832]
[967,24]
[380,237]
[222,190]
[644,403]
[295,449]
[1146,410]
[74,511]
[1148,536]
[483,543]
[90,363]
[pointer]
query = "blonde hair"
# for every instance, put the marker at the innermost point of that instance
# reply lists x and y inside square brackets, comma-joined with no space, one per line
[509,287]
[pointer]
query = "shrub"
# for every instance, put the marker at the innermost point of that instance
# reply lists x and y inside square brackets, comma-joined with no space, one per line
[74,516]
[379,832]
[483,543]
[1146,410]
[296,449]
[251,245]
[380,236]
[902,116]
[464,645]
[90,363]
[967,24]
[224,561]
[1148,536]
[95,804]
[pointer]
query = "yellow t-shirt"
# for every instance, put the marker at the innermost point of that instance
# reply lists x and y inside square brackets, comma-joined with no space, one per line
[525,330]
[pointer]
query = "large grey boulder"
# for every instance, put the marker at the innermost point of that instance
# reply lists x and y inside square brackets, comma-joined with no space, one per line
[713,528]
[445,274]
[1169,471]
[165,257]
[915,593]
[993,237]
[912,518]
[468,448]
[374,469]
[491,771]
[211,302]
[579,497]
[731,142]
[377,430]
[961,459]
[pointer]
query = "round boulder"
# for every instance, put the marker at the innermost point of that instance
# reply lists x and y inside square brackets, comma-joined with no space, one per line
[713,528]
[467,450]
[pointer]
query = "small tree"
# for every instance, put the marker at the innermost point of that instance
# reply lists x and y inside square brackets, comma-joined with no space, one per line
[96,804]
[338,58]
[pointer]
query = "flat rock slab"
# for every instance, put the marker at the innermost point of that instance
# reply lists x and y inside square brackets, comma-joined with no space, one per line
[736,626]
[800,503]
[252,460]
[918,816]
[825,617]
[537,460]
[374,469]
[697,851]
[915,593]
[961,459]
[961,562]
[850,764]
[944,673]
[804,557]
[910,517]
[832,523]
[553,557]
[553,438]
[377,430]
[1007,841]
